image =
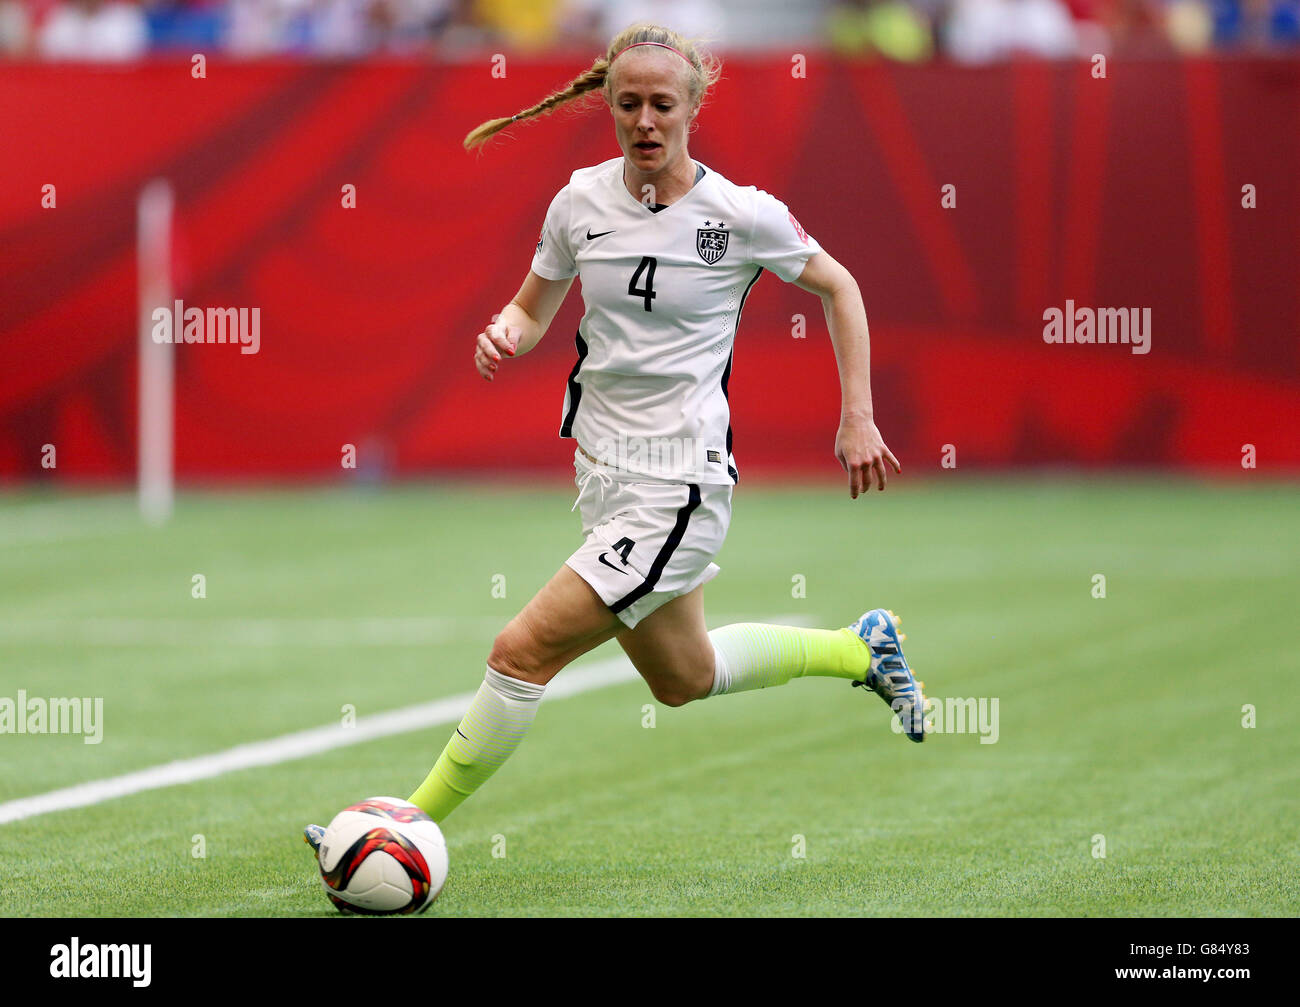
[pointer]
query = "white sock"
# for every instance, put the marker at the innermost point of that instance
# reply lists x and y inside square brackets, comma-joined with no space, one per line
[721,673]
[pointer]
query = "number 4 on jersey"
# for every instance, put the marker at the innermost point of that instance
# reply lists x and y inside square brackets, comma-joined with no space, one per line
[648,292]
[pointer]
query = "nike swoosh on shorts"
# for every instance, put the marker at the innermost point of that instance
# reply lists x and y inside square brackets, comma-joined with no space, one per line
[601,559]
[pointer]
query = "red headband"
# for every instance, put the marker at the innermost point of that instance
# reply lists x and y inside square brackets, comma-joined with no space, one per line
[660,44]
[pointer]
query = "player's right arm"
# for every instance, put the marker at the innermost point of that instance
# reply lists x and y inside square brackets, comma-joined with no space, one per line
[521,323]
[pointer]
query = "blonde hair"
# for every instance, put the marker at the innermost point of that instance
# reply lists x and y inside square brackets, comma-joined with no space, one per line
[705,69]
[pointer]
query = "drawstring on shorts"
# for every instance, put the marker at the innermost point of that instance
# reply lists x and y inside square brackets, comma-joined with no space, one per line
[606,481]
[598,472]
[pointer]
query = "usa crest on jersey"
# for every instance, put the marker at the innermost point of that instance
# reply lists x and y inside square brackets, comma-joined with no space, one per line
[711,243]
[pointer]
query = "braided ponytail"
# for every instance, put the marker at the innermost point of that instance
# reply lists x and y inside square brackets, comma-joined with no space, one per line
[705,71]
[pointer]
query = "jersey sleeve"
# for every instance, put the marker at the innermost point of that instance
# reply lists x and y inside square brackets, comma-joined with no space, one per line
[780,245]
[554,257]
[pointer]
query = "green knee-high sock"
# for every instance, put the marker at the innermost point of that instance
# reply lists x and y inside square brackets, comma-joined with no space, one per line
[755,655]
[491,729]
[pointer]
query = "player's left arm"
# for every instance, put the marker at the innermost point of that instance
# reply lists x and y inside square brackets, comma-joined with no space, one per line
[858,445]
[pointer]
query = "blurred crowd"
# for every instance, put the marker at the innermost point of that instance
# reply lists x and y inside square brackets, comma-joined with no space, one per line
[965,31]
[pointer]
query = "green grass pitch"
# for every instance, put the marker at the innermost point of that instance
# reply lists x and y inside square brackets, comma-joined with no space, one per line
[1119,717]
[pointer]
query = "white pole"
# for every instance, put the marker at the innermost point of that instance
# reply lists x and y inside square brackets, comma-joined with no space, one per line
[154,413]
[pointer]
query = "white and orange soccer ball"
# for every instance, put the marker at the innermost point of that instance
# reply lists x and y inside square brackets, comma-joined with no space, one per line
[381,857]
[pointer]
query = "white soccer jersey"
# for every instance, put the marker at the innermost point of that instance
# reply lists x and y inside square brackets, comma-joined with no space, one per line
[663,293]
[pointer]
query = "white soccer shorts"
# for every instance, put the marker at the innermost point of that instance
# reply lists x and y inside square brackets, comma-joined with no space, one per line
[647,542]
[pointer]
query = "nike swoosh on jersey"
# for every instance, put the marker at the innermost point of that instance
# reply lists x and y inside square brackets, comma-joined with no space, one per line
[601,559]
[591,236]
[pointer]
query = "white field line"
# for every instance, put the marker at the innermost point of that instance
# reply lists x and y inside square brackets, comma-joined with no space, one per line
[301,744]
[298,745]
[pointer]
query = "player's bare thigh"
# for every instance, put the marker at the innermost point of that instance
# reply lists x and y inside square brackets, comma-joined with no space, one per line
[671,649]
[563,621]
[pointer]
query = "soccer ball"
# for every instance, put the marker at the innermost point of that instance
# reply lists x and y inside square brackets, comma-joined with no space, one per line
[381,857]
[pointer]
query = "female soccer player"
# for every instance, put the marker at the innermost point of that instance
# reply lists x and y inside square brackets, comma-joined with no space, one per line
[668,250]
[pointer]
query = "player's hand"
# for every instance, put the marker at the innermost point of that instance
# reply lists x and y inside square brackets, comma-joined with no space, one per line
[496,341]
[862,453]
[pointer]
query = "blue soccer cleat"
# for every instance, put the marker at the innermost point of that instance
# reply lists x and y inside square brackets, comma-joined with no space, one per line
[312,836]
[890,677]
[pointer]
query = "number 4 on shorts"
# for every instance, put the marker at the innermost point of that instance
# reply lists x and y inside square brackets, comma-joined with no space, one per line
[624,548]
